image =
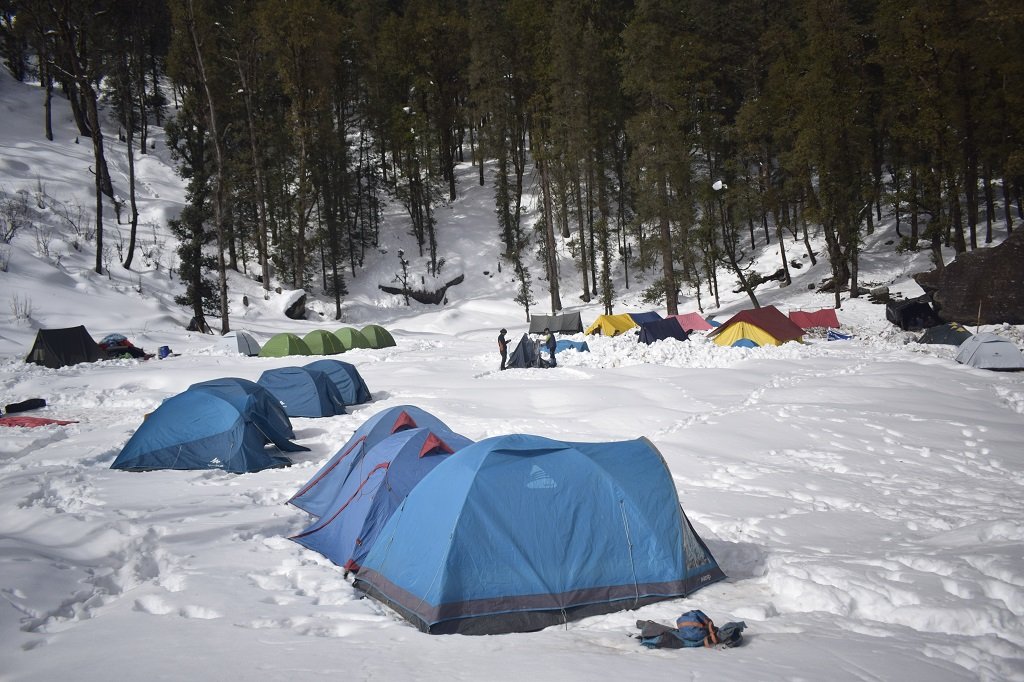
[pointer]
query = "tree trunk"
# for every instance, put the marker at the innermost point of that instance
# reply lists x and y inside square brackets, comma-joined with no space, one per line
[129,125]
[1007,204]
[218,201]
[990,203]
[97,151]
[257,166]
[956,214]
[44,74]
[552,265]
[667,261]
[915,220]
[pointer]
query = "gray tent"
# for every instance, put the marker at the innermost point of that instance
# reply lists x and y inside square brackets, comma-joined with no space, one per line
[525,355]
[240,342]
[990,351]
[566,323]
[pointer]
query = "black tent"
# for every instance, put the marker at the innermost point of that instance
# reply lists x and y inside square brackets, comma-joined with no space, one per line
[659,330]
[912,314]
[566,323]
[951,334]
[525,355]
[62,347]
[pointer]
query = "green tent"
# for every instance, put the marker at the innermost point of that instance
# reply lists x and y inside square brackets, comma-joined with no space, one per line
[323,342]
[378,336]
[284,344]
[351,337]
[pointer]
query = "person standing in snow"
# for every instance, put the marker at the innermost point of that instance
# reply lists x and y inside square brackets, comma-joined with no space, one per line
[549,343]
[503,346]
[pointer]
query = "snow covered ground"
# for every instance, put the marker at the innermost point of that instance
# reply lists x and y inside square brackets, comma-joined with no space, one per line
[864,497]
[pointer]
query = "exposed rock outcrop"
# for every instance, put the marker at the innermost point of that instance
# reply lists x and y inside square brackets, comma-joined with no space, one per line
[981,287]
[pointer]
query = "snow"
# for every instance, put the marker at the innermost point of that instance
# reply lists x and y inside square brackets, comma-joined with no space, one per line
[863,496]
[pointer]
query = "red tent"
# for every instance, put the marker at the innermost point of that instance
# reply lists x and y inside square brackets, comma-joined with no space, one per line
[692,322]
[826,317]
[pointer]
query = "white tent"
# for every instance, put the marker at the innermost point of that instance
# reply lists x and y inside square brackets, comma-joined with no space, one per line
[990,351]
[240,342]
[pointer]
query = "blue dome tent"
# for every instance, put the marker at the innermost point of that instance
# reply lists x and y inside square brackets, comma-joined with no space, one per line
[374,488]
[320,491]
[581,529]
[198,430]
[346,377]
[303,392]
[659,330]
[264,410]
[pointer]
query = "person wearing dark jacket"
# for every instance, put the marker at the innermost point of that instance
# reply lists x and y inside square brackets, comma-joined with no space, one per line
[550,344]
[503,346]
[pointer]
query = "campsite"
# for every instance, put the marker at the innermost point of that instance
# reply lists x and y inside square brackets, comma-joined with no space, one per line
[860,497]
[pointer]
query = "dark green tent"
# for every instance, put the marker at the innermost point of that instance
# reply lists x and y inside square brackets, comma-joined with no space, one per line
[951,334]
[62,347]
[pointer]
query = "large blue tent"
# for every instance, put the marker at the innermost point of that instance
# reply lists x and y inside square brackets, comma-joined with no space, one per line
[374,488]
[198,430]
[346,377]
[519,532]
[319,493]
[263,409]
[303,392]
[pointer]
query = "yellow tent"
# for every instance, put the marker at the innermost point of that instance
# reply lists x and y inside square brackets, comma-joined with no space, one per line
[737,333]
[610,325]
[757,327]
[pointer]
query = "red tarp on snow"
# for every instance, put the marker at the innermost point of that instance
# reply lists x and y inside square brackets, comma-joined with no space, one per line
[32,421]
[826,317]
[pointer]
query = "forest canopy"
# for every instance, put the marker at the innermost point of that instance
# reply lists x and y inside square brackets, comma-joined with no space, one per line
[671,137]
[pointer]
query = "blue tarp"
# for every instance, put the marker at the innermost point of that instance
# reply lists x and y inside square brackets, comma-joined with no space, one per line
[515,533]
[566,344]
[303,392]
[317,495]
[374,488]
[346,377]
[198,430]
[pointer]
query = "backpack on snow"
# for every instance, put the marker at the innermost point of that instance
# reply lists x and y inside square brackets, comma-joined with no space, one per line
[693,629]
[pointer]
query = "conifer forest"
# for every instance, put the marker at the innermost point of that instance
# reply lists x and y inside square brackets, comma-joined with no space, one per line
[663,140]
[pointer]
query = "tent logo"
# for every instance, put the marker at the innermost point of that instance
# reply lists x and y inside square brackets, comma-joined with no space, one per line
[215,462]
[540,479]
